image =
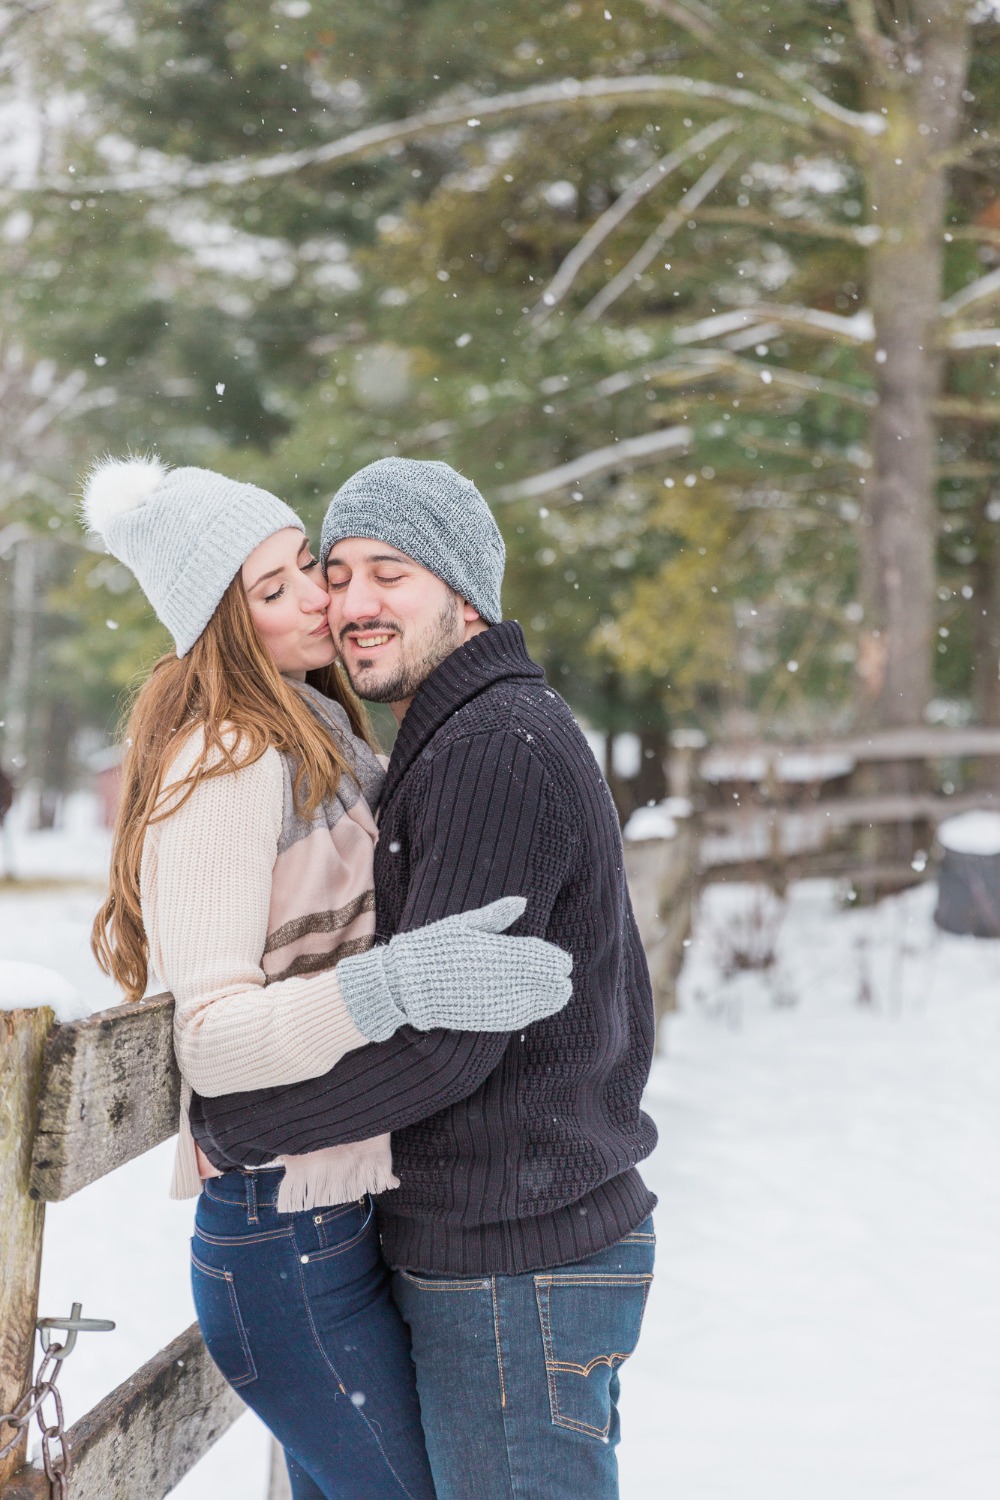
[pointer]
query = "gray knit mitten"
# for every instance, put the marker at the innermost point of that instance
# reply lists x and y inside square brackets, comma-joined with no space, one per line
[462,973]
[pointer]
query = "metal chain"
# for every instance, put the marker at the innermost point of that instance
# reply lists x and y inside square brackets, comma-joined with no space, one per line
[56,1458]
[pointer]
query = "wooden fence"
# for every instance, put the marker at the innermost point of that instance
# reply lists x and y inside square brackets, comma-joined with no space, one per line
[663,878]
[76,1101]
[762,814]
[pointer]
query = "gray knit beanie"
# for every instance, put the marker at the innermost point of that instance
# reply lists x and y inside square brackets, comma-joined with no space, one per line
[185,533]
[431,513]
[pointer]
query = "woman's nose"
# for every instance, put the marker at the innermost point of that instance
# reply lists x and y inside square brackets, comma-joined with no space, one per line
[316,598]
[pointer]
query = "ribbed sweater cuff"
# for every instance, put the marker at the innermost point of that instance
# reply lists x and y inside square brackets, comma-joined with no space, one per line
[512,1247]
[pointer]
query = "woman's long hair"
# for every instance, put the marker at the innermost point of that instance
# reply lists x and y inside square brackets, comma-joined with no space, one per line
[227,687]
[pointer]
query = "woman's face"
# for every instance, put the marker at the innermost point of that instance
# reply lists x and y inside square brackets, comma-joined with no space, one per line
[288,603]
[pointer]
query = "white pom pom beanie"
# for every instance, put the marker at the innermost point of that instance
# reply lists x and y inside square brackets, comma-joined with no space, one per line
[185,533]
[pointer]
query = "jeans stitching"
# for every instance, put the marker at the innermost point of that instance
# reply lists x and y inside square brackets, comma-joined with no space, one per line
[496,1330]
[443,1286]
[629,1278]
[326,1360]
[334,1250]
[543,1285]
[242,1239]
[328,1215]
[543,1313]
[227,1277]
[221,1197]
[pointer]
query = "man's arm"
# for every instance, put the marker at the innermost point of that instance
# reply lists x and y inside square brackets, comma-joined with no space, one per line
[488,827]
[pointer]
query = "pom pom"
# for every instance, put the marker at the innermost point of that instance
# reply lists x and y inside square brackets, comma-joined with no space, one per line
[117,485]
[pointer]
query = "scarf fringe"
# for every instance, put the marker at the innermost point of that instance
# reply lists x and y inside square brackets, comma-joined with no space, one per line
[338,1174]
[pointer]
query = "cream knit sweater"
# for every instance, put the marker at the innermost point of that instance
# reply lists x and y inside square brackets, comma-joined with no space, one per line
[205,885]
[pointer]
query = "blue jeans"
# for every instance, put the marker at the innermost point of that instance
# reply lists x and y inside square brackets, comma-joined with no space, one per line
[296,1312]
[518,1375]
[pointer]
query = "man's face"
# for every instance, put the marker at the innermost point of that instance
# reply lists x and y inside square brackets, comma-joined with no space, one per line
[393,620]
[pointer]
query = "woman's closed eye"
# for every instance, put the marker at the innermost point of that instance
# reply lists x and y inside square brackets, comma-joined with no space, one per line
[306,568]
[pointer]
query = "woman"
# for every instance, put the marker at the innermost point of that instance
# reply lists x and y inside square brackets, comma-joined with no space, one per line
[242,875]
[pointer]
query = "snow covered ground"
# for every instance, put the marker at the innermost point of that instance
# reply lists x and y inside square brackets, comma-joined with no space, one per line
[825,1320]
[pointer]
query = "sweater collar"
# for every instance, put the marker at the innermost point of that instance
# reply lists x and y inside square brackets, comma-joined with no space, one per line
[494,655]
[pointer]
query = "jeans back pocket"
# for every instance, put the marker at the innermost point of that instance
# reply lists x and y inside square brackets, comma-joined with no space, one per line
[590,1325]
[221,1322]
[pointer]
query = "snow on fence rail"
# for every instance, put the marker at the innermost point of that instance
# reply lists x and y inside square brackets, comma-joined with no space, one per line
[77,1100]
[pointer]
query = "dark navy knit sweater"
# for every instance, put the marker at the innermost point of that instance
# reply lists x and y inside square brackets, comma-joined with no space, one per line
[518,1151]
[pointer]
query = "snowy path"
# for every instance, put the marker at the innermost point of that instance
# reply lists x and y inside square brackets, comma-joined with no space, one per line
[825,1320]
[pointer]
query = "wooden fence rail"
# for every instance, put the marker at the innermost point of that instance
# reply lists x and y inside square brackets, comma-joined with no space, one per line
[78,1100]
[777,811]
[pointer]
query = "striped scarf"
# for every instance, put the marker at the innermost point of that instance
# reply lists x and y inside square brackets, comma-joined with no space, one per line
[323,910]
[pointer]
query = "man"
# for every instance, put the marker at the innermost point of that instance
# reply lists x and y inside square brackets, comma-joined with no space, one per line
[520,1233]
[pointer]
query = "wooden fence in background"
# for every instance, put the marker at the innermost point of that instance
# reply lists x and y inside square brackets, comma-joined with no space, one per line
[780,811]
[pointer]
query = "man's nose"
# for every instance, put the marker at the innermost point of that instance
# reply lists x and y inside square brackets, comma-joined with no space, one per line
[359,601]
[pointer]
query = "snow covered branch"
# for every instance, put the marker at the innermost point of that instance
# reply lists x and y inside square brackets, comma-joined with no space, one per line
[629,275]
[973,338]
[630,454]
[984,289]
[623,205]
[858,329]
[177,176]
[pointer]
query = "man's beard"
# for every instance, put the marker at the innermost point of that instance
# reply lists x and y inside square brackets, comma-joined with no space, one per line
[445,637]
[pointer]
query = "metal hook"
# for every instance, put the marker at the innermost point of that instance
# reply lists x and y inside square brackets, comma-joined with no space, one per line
[73,1325]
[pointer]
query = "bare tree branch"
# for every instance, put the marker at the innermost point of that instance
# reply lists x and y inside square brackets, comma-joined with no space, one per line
[630,454]
[981,233]
[623,205]
[984,289]
[963,151]
[864,235]
[629,275]
[967,411]
[701,23]
[723,362]
[865,18]
[852,234]
[176,176]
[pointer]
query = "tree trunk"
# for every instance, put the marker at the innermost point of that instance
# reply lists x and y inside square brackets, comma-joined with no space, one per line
[920,87]
[917,81]
[985,603]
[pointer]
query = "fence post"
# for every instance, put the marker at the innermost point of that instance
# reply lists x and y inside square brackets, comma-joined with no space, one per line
[22,1042]
[279,1485]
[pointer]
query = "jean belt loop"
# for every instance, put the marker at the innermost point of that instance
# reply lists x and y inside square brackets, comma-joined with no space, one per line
[251,1181]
